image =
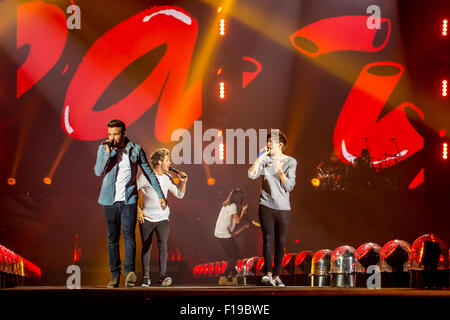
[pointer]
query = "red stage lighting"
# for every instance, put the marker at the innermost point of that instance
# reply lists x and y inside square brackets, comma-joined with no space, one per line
[444,27]
[442,133]
[47,180]
[444,88]
[445,151]
[11,181]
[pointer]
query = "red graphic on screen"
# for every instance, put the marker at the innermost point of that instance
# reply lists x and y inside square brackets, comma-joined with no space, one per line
[338,34]
[391,138]
[178,107]
[248,77]
[417,180]
[43,27]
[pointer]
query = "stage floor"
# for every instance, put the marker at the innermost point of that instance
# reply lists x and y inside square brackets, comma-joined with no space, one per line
[240,302]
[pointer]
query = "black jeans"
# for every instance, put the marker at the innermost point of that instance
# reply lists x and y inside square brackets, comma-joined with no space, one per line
[117,215]
[274,226]
[232,253]
[162,232]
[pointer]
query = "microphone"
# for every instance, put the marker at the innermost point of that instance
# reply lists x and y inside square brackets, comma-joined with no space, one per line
[177,172]
[109,143]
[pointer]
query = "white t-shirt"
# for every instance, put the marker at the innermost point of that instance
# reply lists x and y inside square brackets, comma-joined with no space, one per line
[123,174]
[151,205]
[225,221]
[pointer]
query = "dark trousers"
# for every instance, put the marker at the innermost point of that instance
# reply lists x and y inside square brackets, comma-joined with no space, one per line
[274,227]
[162,232]
[232,254]
[117,215]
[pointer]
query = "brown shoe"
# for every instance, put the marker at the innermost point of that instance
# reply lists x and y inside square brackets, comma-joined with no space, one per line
[234,281]
[130,280]
[223,281]
[114,283]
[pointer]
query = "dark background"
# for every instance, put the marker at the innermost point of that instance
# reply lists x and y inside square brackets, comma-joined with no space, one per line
[292,93]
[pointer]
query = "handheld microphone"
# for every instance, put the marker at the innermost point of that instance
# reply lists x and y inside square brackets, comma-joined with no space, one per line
[109,143]
[177,172]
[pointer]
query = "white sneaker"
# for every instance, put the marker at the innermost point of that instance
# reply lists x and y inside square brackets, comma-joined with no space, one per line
[279,283]
[167,282]
[268,281]
[146,283]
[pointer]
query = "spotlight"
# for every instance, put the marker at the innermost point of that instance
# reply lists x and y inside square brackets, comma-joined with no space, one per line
[320,268]
[288,268]
[222,27]
[444,88]
[211,181]
[47,180]
[366,255]
[343,267]
[302,268]
[444,27]
[221,151]
[395,264]
[240,267]
[218,269]
[219,9]
[11,181]
[222,90]
[315,182]
[445,151]
[429,262]
[250,271]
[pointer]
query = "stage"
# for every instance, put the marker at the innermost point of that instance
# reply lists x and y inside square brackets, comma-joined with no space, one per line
[186,302]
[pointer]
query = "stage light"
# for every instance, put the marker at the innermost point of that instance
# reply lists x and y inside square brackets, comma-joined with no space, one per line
[303,268]
[211,181]
[47,180]
[445,151]
[367,255]
[219,71]
[11,181]
[320,268]
[219,9]
[315,182]
[442,133]
[222,90]
[395,257]
[444,88]
[219,133]
[222,27]
[343,267]
[221,151]
[429,262]
[444,27]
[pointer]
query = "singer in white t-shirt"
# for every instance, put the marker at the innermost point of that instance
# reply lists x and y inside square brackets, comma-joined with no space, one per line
[152,218]
[230,215]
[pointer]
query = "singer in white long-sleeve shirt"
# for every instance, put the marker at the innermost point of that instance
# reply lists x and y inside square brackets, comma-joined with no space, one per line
[152,217]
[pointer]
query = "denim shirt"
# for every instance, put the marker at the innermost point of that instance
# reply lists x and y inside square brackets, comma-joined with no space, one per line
[106,166]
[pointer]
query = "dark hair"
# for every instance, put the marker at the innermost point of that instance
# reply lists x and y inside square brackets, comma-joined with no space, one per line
[281,138]
[158,155]
[116,123]
[235,196]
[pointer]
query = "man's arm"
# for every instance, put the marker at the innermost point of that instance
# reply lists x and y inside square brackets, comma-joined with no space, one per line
[256,168]
[140,205]
[288,179]
[151,177]
[103,159]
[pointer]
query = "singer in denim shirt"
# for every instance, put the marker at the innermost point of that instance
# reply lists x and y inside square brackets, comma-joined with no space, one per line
[117,161]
